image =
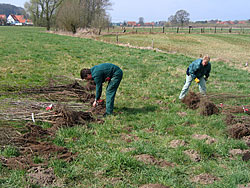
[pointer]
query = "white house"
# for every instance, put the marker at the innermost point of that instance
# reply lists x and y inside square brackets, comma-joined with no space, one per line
[16,19]
[12,20]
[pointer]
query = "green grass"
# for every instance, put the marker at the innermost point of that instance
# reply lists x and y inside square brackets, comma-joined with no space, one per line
[147,98]
[230,48]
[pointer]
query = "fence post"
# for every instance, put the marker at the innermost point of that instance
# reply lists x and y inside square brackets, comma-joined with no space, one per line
[117,39]
[100,30]
[230,30]
[189,29]
[215,29]
[163,29]
[177,30]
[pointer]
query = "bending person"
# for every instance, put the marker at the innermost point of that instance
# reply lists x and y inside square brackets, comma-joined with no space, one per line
[196,71]
[100,74]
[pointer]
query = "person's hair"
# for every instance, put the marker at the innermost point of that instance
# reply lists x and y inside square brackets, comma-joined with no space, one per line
[206,57]
[84,73]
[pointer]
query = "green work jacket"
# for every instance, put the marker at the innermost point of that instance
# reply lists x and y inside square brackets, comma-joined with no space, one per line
[197,70]
[100,73]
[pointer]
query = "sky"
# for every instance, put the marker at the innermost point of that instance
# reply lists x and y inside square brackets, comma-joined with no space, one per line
[161,10]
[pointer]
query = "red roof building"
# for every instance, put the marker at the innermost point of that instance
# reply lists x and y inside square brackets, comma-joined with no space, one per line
[149,24]
[20,18]
[242,22]
[2,16]
[131,23]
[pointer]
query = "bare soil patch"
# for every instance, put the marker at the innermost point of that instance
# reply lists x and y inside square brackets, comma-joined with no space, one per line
[192,100]
[148,159]
[31,144]
[193,155]
[204,179]
[244,186]
[177,143]
[129,137]
[153,186]
[246,156]
[41,176]
[209,139]
[207,107]
[239,130]
[246,139]
[195,101]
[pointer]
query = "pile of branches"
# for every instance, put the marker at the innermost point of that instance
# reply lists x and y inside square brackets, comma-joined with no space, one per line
[59,115]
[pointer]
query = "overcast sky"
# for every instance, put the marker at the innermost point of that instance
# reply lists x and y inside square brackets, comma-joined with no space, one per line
[160,10]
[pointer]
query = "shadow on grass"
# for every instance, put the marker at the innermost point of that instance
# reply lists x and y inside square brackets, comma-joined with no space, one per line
[142,110]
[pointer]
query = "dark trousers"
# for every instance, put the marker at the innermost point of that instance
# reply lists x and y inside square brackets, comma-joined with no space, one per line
[111,90]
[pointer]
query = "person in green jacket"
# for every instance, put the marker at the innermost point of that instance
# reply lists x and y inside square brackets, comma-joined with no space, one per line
[196,71]
[100,74]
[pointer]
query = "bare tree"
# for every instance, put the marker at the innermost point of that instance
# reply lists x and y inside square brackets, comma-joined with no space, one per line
[68,16]
[42,11]
[34,11]
[180,17]
[83,13]
[141,21]
[172,19]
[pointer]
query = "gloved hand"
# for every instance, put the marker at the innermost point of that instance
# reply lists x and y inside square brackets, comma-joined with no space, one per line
[197,80]
[107,79]
[100,101]
[96,102]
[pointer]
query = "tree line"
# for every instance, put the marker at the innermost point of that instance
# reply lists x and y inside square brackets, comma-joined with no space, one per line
[68,15]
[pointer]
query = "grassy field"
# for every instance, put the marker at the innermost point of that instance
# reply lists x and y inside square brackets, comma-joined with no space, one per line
[148,113]
[243,29]
[230,48]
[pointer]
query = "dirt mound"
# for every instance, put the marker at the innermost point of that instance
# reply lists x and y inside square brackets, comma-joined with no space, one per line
[239,130]
[207,108]
[226,109]
[195,101]
[246,139]
[231,119]
[99,110]
[177,143]
[30,145]
[246,156]
[153,186]
[148,159]
[209,139]
[192,100]
[41,176]
[6,133]
[205,179]
[193,155]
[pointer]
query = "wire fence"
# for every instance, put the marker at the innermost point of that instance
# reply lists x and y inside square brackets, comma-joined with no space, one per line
[181,30]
